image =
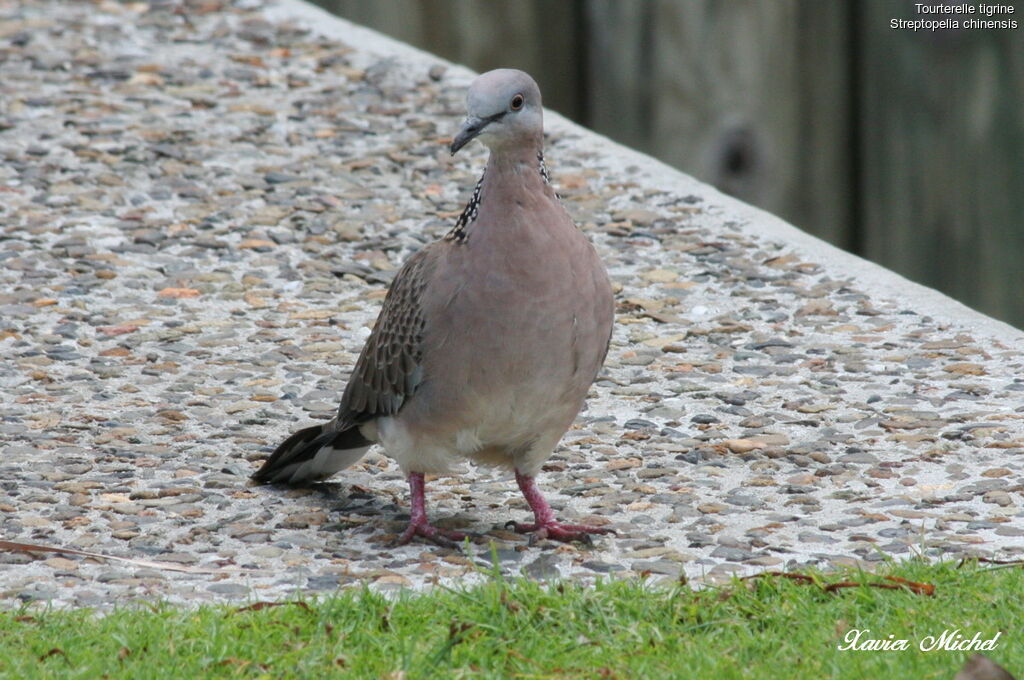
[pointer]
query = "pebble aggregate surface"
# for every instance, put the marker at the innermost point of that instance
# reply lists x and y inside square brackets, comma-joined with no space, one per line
[201,206]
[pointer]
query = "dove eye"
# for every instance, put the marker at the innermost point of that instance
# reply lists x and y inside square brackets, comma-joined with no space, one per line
[517,102]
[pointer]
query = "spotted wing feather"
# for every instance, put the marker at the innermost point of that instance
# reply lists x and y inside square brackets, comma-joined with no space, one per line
[388,370]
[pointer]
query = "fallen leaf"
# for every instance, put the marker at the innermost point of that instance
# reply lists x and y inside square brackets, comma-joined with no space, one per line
[897,582]
[914,586]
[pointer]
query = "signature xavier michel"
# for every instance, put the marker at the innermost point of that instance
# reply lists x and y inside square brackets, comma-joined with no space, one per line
[860,640]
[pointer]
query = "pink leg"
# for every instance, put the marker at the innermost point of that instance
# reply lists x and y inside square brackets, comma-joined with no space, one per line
[545,525]
[418,523]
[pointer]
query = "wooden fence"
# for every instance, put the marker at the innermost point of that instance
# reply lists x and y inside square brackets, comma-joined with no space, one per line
[904,146]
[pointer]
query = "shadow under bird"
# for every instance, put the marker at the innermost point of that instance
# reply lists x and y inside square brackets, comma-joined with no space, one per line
[488,340]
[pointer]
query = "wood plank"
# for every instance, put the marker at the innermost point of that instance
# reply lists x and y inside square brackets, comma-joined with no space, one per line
[618,64]
[749,96]
[822,200]
[943,174]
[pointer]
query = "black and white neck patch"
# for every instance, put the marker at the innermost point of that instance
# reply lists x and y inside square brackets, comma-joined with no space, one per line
[458,232]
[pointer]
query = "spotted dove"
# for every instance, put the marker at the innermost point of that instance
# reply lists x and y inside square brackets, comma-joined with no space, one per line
[488,339]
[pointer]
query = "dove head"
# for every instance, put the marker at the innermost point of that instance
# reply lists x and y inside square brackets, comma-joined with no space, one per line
[503,110]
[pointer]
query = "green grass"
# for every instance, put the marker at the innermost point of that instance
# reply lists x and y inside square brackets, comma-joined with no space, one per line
[765,628]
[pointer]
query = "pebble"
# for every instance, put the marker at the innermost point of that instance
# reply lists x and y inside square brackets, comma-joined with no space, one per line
[860,457]
[665,567]
[731,554]
[230,589]
[602,567]
[543,567]
[1000,498]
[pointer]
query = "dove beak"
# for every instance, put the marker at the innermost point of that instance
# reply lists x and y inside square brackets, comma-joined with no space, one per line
[471,128]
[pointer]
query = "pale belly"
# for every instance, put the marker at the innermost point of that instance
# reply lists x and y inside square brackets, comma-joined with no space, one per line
[497,407]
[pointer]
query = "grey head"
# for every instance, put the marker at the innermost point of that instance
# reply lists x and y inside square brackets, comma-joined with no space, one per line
[503,110]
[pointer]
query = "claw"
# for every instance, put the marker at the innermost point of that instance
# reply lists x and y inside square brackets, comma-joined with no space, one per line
[557,531]
[418,523]
[545,525]
[446,538]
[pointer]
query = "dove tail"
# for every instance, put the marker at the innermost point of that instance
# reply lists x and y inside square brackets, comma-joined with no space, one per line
[313,454]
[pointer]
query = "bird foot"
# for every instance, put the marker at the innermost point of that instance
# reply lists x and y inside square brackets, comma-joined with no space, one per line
[545,525]
[446,538]
[557,531]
